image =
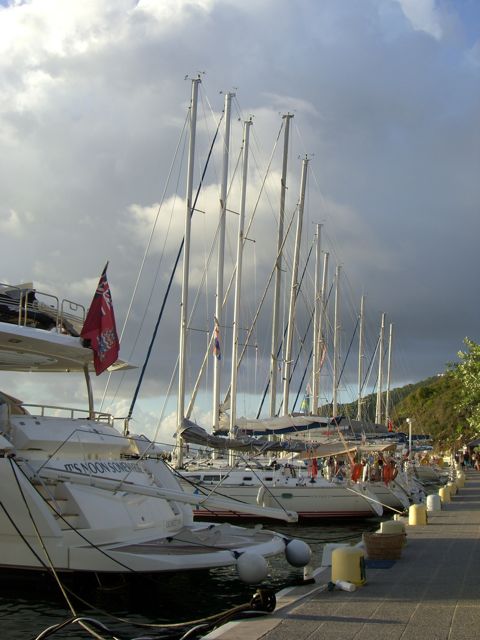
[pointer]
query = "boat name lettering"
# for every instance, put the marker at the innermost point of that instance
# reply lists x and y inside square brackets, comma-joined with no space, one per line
[99,467]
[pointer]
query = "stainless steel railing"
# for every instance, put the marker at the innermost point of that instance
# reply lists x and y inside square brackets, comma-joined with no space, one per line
[27,306]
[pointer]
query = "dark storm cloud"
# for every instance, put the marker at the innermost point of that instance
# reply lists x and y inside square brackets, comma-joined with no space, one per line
[386,99]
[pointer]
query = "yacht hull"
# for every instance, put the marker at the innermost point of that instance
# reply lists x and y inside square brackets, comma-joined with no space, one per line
[311,502]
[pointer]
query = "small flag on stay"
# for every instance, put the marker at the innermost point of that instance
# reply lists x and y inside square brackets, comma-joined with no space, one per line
[217,352]
[99,327]
[305,405]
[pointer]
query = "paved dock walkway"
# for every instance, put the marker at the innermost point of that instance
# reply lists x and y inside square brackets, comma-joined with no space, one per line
[431,593]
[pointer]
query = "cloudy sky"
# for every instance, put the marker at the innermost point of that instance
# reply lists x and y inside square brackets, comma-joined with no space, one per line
[386,100]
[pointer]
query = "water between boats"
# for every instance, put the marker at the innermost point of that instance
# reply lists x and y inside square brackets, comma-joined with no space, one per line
[28,606]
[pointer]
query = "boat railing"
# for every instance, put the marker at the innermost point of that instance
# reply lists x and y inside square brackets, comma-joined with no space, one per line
[50,410]
[27,306]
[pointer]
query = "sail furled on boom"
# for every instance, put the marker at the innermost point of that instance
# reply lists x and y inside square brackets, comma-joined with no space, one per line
[194,434]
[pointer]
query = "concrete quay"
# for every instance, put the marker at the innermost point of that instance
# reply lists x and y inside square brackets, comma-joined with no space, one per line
[431,593]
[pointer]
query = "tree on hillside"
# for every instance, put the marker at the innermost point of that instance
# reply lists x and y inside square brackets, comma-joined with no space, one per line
[467,372]
[432,407]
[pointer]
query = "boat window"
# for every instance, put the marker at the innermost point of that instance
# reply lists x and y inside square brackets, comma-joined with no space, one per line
[268,479]
[215,478]
[247,478]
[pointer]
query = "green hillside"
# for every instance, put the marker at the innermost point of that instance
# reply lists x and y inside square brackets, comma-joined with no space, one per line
[431,406]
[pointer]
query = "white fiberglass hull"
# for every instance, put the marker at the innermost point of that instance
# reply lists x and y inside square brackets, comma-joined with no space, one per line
[310,501]
[390,496]
[192,548]
[79,528]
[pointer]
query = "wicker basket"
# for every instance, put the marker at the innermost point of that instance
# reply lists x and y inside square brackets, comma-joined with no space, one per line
[384,546]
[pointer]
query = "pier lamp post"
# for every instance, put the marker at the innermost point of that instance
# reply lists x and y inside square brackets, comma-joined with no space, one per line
[409,421]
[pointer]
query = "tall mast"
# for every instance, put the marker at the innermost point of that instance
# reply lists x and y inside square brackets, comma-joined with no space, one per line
[221,255]
[389,370]
[321,335]
[238,275]
[316,325]
[336,330]
[360,357]
[294,291]
[278,272]
[378,409]
[186,268]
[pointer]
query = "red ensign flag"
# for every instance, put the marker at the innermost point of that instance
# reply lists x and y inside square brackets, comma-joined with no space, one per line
[99,327]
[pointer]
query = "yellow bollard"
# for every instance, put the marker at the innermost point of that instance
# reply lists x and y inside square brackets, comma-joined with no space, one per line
[460,479]
[348,563]
[452,487]
[328,550]
[417,515]
[444,494]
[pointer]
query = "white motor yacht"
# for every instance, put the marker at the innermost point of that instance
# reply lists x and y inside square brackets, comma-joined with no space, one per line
[75,496]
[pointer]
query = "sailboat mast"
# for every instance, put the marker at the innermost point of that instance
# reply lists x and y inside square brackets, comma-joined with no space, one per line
[389,371]
[336,331]
[238,284]
[186,268]
[294,291]
[278,271]
[221,256]
[321,336]
[360,356]
[316,324]
[378,409]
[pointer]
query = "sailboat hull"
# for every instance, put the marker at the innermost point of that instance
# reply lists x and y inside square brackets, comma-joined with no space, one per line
[310,501]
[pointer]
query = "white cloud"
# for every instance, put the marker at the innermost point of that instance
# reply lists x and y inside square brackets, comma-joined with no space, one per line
[37,86]
[34,31]
[423,15]
[168,11]
[292,104]
[13,223]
